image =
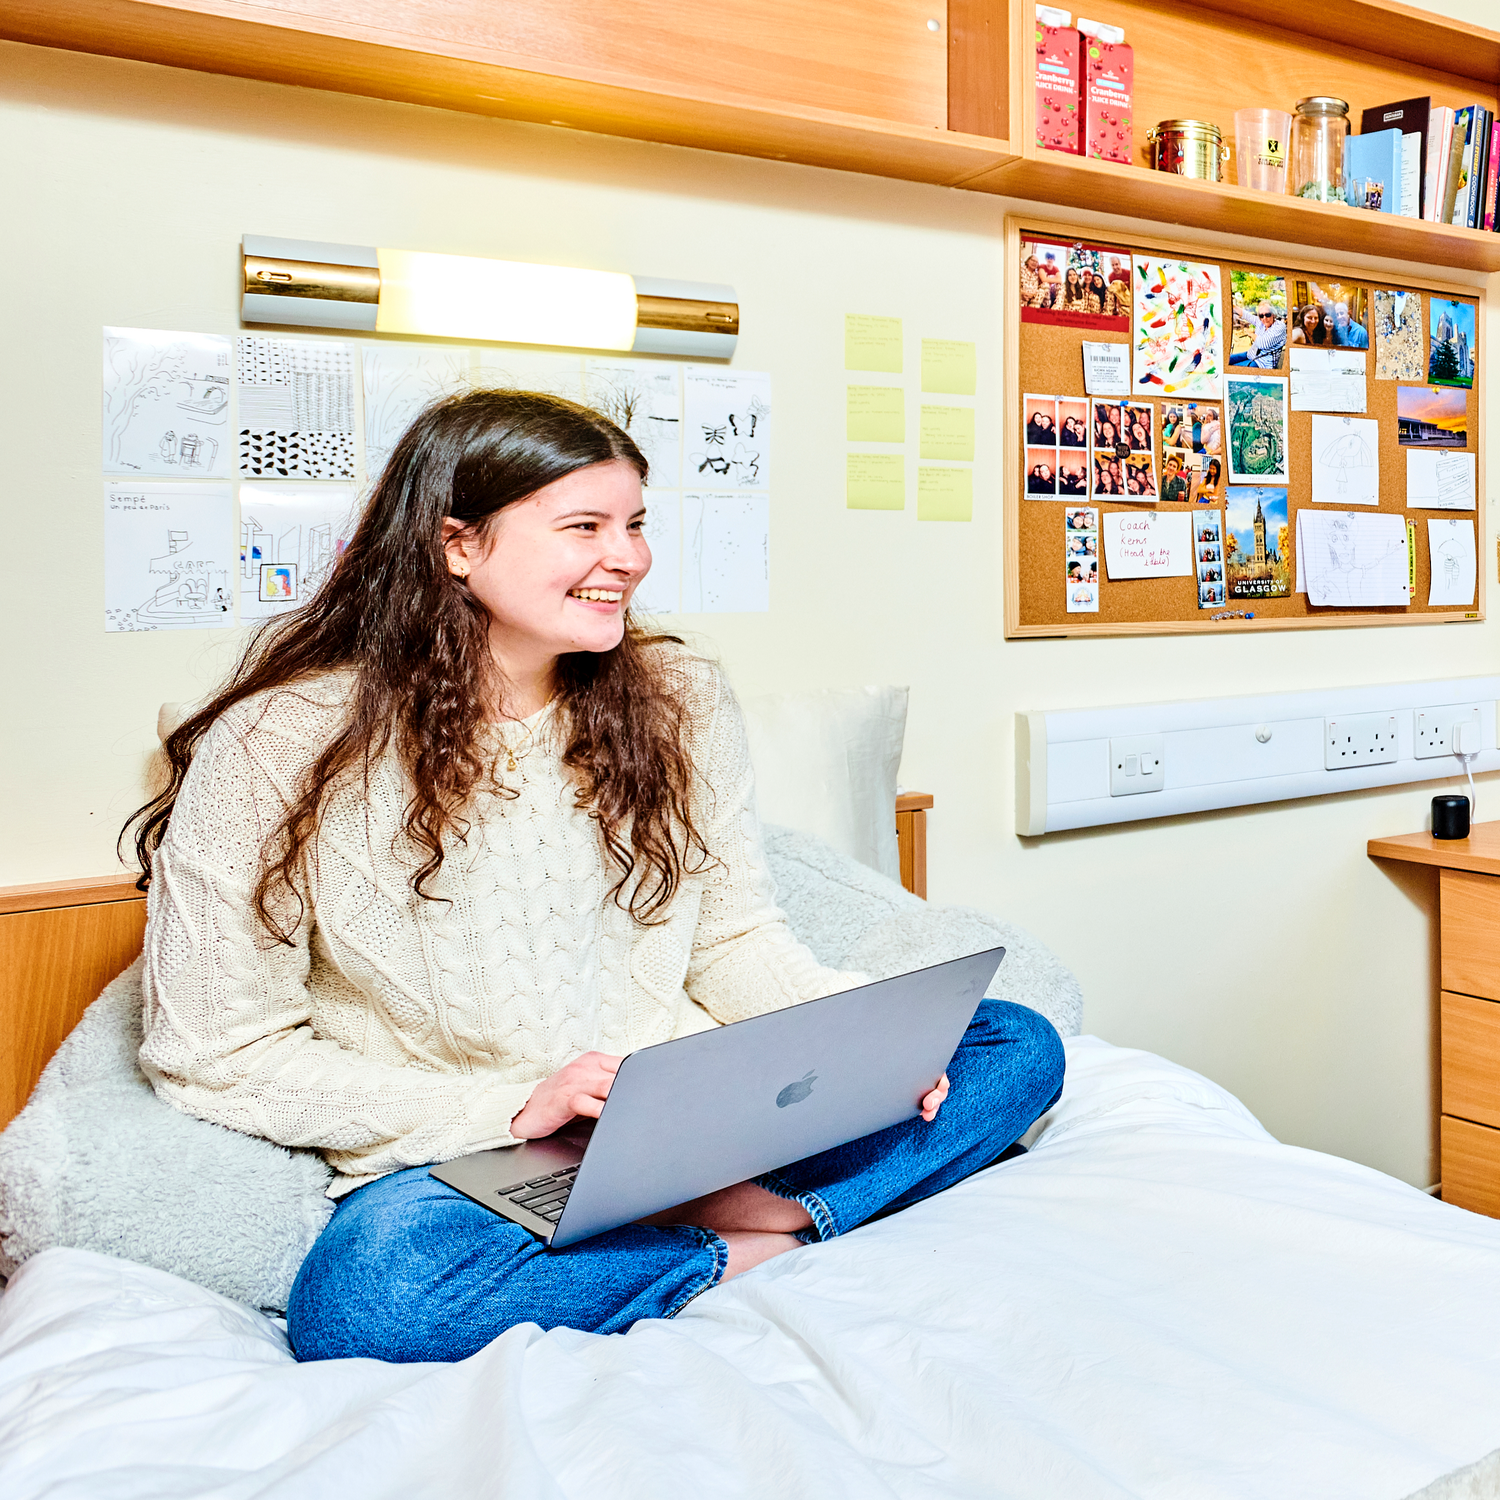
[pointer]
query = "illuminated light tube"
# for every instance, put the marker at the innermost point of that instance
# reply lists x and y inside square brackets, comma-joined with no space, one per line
[311,284]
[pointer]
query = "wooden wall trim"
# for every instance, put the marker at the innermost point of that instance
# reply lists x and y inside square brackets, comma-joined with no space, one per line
[51,894]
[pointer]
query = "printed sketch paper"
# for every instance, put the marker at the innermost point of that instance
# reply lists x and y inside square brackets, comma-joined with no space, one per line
[727,429]
[1345,461]
[726,545]
[290,537]
[1441,480]
[1450,550]
[296,409]
[166,403]
[646,400]
[399,380]
[1177,325]
[168,556]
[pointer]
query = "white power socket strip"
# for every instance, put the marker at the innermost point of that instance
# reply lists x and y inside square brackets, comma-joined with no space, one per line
[1437,731]
[1358,740]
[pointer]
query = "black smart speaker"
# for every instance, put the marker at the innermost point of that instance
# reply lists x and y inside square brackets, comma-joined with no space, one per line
[1450,817]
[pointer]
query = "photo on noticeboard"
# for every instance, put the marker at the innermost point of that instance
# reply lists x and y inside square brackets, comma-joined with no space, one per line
[1432,417]
[1256,409]
[1257,543]
[1450,359]
[1076,285]
[1258,330]
[1400,336]
[1329,315]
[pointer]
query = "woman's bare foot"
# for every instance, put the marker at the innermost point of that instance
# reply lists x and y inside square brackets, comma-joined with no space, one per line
[749,1247]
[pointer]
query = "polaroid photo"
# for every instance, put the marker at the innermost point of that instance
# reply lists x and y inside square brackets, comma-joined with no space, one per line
[1258,329]
[1072,422]
[1210,595]
[1258,442]
[1081,518]
[1039,413]
[1041,472]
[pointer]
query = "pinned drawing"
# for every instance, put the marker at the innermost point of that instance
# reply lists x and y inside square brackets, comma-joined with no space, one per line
[1178,328]
[167,557]
[1439,480]
[1346,460]
[726,553]
[646,400]
[1450,546]
[727,428]
[1351,561]
[290,537]
[553,374]
[166,403]
[296,414]
[660,591]
[399,381]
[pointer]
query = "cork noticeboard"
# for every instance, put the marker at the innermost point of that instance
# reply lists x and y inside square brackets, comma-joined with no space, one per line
[1048,357]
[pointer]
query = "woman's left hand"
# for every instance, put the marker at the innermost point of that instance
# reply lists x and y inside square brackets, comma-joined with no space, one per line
[933,1102]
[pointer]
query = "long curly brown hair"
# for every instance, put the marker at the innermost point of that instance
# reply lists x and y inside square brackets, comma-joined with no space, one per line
[417,642]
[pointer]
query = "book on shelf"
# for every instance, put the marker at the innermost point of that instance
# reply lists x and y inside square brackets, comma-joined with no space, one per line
[1411,117]
[1372,171]
[1492,178]
[1467,163]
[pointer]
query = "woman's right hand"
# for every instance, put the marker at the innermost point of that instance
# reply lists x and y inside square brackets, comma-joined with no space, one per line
[579,1088]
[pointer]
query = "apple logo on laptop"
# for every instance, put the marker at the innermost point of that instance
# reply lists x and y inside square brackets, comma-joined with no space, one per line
[795,1093]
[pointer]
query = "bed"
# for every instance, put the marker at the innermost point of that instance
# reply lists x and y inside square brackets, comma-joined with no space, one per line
[1157,1299]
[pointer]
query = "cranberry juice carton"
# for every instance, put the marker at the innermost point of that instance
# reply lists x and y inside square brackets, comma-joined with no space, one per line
[1108,76]
[1058,117]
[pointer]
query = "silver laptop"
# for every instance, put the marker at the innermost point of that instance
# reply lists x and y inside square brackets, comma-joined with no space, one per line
[688,1117]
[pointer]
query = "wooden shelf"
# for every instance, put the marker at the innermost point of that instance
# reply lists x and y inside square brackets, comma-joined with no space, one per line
[865,89]
[1479,853]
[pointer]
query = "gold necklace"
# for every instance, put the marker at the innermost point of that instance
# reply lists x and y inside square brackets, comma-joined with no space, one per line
[512,755]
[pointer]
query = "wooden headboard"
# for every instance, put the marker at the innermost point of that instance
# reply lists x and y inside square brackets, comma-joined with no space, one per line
[60,944]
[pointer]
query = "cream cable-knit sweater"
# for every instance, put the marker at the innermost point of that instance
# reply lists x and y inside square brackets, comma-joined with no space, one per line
[397,1031]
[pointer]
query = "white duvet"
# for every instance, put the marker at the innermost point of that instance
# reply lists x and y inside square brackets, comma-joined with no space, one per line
[1159,1300]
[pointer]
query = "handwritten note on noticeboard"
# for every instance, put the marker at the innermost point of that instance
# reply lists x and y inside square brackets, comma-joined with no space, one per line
[1148,544]
[945,494]
[949,367]
[875,414]
[872,343]
[875,481]
[948,432]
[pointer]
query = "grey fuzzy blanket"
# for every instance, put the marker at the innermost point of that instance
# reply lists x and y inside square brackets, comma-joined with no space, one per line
[97,1162]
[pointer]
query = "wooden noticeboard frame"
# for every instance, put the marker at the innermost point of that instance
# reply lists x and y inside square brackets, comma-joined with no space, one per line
[1045,358]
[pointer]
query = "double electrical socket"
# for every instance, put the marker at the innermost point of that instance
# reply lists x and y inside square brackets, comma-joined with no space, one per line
[1359,740]
[1137,763]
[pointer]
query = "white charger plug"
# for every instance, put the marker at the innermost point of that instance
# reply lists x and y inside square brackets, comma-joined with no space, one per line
[1466,746]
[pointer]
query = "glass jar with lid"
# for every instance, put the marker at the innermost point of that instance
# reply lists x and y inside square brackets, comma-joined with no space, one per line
[1319,129]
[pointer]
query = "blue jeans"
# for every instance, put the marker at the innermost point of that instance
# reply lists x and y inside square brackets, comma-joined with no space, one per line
[409,1269]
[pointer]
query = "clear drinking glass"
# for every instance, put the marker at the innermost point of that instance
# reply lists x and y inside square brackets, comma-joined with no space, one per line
[1261,139]
[1319,130]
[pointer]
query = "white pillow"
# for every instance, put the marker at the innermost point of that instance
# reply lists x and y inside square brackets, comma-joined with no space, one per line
[826,763]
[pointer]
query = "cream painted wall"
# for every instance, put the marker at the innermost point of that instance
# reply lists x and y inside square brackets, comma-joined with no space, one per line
[1260,947]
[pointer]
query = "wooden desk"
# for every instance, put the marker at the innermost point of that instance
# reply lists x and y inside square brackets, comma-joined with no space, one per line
[1469,1021]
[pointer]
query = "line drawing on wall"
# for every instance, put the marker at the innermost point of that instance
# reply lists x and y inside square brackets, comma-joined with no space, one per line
[290,538]
[660,591]
[646,400]
[726,545]
[166,402]
[727,428]
[167,557]
[296,413]
[399,380]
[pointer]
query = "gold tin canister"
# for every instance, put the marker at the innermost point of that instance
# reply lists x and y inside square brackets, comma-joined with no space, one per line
[1191,148]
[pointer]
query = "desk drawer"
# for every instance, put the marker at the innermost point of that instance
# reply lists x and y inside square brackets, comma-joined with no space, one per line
[1471,1058]
[1469,909]
[1470,1156]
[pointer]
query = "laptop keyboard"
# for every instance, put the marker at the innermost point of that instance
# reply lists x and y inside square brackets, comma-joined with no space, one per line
[543,1196]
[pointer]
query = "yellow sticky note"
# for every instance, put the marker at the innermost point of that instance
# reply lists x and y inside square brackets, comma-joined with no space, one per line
[948,367]
[948,432]
[876,414]
[872,343]
[876,481]
[945,494]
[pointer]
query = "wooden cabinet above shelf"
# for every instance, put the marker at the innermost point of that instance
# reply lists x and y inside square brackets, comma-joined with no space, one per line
[870,88]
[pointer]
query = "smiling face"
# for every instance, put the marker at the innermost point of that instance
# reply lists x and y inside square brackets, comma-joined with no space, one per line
[556,571]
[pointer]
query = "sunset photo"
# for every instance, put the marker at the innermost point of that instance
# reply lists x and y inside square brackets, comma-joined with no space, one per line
[1432,418]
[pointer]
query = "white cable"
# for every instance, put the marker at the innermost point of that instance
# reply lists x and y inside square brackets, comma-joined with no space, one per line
[1460,738]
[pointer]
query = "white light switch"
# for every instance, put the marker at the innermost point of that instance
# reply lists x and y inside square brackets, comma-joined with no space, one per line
[1136,764]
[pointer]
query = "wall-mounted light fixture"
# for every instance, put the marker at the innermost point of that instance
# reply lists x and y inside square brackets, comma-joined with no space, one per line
[309,284]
